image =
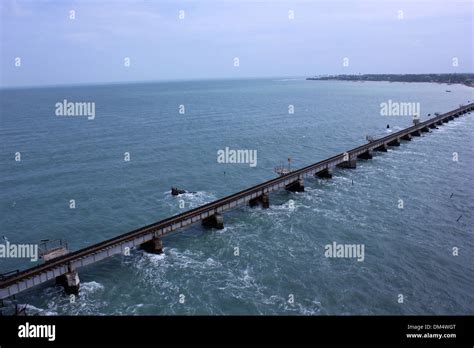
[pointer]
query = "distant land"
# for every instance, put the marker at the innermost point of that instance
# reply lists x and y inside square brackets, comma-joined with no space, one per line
[466,79]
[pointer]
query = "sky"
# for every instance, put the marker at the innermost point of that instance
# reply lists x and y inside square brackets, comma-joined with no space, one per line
[270,39]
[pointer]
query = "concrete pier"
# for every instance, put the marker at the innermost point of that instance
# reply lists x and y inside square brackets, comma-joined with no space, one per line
[297,186]
[395,142]
[366,155]
[325,174]
[263,200]
[70,281]
[154,246]
[425,130]
[433,126]
[350,164]
[406,137]
[382,148]
[416,133]
[214,221]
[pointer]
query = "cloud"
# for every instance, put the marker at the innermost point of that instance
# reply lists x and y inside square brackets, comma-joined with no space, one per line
[213,32]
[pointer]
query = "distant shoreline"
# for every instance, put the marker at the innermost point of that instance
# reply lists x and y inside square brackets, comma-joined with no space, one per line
[466,79]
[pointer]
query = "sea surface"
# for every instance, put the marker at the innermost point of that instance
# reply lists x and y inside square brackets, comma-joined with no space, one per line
[281,267]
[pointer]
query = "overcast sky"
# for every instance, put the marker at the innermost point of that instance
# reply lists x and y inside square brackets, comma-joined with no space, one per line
[377,36]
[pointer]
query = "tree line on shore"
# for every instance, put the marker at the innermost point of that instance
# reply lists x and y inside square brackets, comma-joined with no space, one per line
[462,78]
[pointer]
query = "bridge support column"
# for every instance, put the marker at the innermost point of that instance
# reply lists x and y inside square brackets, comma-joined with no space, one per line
[70,281]
[416,133]
[439,123]
[350,164]
[297,186]
[450,118]
[366,155]
[395,142]
[445,120]
[264,200]
[382,148]
[324,174]
[406,137]
[154,246]
[425,130]
[433,126]
[214,221]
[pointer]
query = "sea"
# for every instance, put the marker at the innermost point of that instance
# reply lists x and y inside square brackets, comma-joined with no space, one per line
[87,179]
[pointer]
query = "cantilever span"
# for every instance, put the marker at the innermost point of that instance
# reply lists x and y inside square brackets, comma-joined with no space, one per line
[64,268]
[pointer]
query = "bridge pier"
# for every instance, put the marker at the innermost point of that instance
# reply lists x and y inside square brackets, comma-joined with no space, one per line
[382,148]
[366,155]
[214,221]
[154,246]
[450,118]
[445,120]
[324,174]
[439,123]
[263,200]
[395,142]
[416,133]
[425,130]
[350,164]
[433,126]
[70,281]
[406,137]
[297,186]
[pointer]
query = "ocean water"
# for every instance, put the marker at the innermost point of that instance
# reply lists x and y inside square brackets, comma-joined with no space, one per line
[408,251]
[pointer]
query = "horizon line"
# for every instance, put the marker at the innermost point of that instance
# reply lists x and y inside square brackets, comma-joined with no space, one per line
[105,83]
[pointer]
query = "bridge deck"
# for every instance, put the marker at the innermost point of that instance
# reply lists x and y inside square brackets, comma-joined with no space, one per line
[28,278]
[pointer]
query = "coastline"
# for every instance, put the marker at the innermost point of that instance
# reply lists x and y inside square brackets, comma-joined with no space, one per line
[466,79]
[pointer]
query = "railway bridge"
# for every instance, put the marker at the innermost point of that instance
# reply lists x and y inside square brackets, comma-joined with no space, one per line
[63,268]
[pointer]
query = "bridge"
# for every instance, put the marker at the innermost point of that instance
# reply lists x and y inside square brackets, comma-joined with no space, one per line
[63,268]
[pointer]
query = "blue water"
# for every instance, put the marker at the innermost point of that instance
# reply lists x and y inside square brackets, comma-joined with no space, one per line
[407,251]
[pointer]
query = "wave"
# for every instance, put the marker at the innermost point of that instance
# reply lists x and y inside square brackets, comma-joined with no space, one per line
[191,200]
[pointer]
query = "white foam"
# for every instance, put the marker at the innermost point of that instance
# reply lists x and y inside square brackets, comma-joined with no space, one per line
[91,287]
[191,200]
[155,258]
[30,309]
